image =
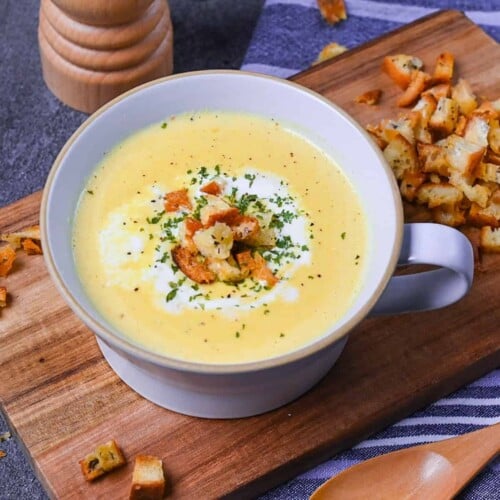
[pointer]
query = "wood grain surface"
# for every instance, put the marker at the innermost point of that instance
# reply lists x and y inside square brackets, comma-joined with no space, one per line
[62,399]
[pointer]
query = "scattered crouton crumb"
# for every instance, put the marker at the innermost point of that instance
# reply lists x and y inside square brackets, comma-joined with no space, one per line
[3,303]
[329,52]
[7,258]
[370,97]
[31,248]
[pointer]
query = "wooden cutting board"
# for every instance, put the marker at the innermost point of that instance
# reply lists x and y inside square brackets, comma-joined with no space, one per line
[62,399]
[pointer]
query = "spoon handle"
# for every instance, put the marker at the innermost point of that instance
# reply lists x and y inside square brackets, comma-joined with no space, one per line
[469,453]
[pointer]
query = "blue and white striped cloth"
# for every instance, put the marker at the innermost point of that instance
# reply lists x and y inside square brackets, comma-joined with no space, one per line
[288,37]
[291,33]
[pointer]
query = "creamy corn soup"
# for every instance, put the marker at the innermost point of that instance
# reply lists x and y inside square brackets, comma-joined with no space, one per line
[220,238]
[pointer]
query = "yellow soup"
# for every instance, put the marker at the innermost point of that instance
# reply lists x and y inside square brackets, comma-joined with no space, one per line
[220,238]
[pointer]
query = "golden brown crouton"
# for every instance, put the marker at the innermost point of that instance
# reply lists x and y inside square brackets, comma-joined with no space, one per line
[14,239]
[31,248]
[462,156]
[462,94]
[245,227]
[401,156]
[449,215]
[3,296]
[256,266]
[434,195]
[102,460]
[477,130]
[490,239]
[370,97]
[416,86]
[400,67]
[176,200]
[186,233]
[7,258]
[148,479]
[443,72]
[212,187]
[444,119]
[438,91]
[193,266]
[410,183]
[333,11]
[329,52]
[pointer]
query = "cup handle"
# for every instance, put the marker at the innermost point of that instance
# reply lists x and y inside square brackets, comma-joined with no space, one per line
[439,245]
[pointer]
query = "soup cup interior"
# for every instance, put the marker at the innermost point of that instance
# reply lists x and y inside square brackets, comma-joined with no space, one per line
[301,110]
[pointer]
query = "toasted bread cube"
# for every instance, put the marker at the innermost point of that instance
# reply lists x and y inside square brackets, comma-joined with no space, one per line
[489,216]
[491,157]
[448,215]
[31,248]
[444,119]
[176,200]
[370,97]
[460,126]
[102,460]
[476,193]
[425,106]
[186,232]
[434,195]
[381,143]
[333,11]
[477,130]
[438,91]
[462,94]
[194,267]
[462,155]
[433,159]
[329,52]
[494,139]
[402,126]
[14,239]
[490,239]
[7,258]
[400,67]
[213,188]
[488,172]
[148,479]
[443,72]
[215,205]
[487,110]
[245,227]
[417,85]
[3,296]
[410,184]
[401,156]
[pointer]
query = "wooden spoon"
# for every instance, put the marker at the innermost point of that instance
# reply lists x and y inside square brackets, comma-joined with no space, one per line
[432,471]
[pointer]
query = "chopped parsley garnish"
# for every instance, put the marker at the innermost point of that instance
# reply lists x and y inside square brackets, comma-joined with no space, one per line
[164,125]
[343,235]
[250,178]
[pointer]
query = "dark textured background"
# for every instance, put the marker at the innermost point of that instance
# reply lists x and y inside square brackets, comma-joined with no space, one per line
[34,125]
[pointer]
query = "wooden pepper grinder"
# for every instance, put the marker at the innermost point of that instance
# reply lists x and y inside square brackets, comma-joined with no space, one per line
[94,50]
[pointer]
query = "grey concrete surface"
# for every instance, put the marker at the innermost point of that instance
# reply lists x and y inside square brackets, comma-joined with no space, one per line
[34,125]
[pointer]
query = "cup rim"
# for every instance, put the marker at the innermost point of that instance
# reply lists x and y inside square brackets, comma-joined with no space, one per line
[132,349]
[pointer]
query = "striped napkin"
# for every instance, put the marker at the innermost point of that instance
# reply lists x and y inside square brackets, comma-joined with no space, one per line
[288,37]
